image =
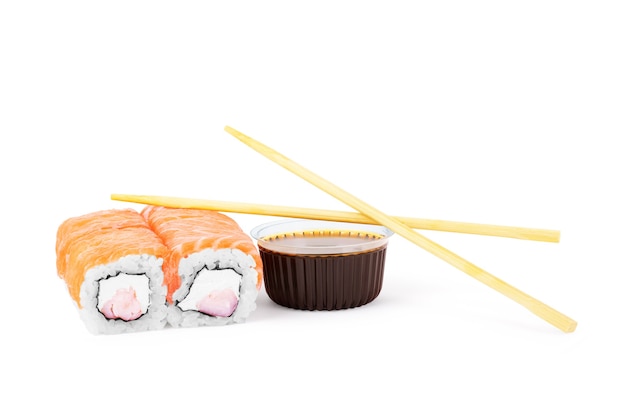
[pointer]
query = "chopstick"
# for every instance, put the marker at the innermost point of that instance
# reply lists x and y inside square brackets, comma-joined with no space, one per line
[545,312]
[542,235]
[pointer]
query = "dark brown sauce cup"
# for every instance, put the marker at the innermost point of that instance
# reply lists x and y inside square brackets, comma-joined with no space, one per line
[322,265]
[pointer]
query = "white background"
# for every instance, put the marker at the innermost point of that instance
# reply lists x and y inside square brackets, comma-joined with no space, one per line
[486,111]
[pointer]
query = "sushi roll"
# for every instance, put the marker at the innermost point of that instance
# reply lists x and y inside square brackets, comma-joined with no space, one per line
[112,264]
[213,270]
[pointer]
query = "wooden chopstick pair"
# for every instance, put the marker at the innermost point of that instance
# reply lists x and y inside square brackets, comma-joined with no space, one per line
[398,225]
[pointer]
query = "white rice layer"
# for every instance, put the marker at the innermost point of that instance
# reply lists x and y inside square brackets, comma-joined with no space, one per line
[230,265]
[99,282]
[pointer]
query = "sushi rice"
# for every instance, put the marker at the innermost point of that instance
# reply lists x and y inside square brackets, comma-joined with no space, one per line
[222,269]
[154,315]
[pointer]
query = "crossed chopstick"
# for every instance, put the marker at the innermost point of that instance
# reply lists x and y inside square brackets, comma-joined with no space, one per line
[403,226]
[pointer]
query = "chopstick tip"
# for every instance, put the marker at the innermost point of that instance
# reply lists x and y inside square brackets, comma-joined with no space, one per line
[571,326]
[231,130]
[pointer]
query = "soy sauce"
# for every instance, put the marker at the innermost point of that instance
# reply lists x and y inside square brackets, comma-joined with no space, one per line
[322,281]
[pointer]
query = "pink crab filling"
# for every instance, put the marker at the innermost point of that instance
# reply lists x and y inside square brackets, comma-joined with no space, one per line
[123,305]
[218,303]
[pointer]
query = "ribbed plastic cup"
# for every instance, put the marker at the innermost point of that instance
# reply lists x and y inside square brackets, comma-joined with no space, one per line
[322,265]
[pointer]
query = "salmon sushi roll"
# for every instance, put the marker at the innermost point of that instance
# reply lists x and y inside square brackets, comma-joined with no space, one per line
[213,270]
[112,264]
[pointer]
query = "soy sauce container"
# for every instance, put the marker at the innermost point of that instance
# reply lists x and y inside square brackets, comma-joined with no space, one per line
[322,265]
